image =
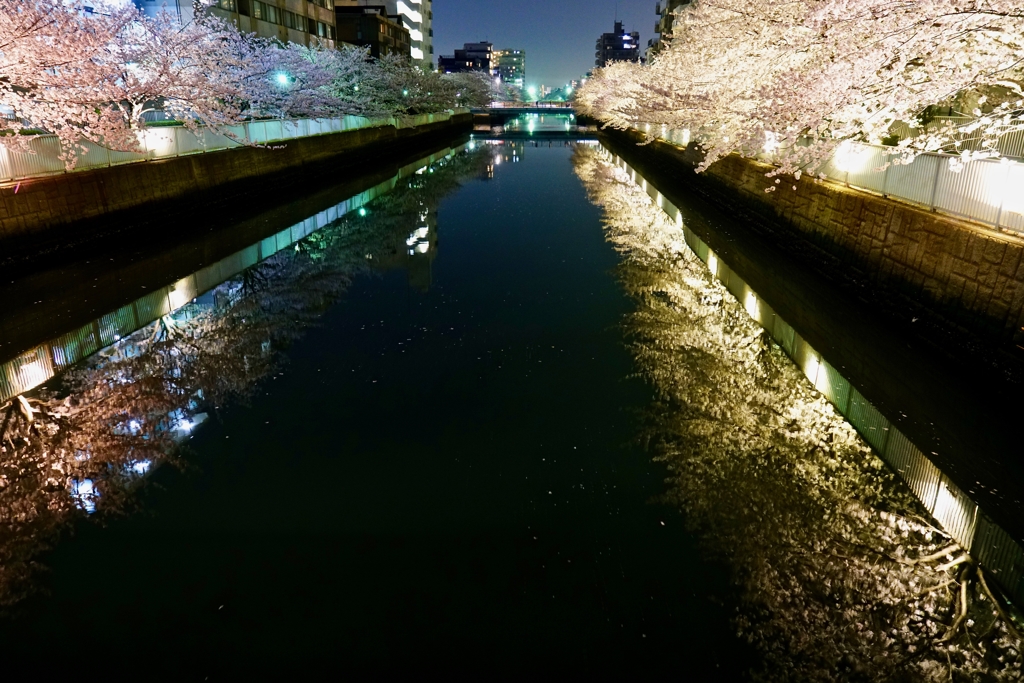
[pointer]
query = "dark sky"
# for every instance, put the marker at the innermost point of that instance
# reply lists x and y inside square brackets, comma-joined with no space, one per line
[558,35]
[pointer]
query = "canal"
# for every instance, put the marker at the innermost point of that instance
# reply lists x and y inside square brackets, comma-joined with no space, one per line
[488,414]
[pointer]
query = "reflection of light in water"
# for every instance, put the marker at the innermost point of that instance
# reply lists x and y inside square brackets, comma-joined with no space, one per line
[497,160]
[32,375]
[751,305]
[417,235]
[85,494]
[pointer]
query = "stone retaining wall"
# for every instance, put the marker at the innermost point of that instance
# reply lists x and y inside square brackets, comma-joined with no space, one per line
[42,213]
[969,273]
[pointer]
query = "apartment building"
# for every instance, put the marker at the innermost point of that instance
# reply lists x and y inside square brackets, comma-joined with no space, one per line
[665,10]
[416,16]
[373,27]
[298,21]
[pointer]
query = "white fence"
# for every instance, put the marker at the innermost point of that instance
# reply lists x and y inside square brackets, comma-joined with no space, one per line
[989,191]
[173,141]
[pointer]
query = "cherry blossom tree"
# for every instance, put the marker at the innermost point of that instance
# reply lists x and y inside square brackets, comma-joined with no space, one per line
[55,72]
[841,575]
[197,72]
[799,78]
[95,78]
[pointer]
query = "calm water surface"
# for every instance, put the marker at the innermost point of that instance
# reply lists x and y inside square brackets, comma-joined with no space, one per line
[439,471]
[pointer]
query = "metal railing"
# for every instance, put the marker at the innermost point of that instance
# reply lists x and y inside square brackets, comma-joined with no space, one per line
[166,142]
[988,191]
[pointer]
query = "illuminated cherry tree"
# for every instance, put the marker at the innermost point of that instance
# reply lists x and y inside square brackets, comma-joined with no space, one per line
[56,72]
[799,78]
[95,77]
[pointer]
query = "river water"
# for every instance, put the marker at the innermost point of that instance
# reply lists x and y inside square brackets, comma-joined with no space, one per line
[487,417]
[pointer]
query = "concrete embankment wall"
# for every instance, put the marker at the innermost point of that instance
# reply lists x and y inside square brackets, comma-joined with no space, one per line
[966,275]
[42,214]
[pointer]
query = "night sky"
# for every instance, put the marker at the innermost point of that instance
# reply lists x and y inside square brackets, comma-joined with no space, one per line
[558,35]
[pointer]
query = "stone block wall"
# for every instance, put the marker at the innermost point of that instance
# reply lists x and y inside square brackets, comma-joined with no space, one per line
[967,273]
[39,213]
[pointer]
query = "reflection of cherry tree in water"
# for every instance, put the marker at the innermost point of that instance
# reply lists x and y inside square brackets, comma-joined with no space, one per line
[842,575]
[80,443]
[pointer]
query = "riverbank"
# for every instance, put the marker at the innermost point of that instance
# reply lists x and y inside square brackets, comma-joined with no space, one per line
[959,282]
[914,375]
[51,215]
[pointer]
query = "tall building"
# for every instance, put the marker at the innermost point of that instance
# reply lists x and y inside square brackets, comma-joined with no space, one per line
[373,27]
[416,15]
[665,10]
[618,46]
[296,21]
[472,57]
[511,67]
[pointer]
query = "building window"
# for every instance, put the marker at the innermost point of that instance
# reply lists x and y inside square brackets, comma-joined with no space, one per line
[261,10]
[228,5]
[292,20]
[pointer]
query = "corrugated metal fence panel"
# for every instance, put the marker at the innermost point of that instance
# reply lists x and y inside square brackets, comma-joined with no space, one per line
[42,160]
[284,239]
[92,155]
[6,388]
[1000,554]
[976,191]
[187,142]
[865,172]
[1012,144]
[209,277]
[160,143]
[921,475]
[871,424]
[914,181]
[765,315]
[273,130]
[806,358]
[75,346]
[249,257]
[256,131]
[1013,199]
[835,387]
[785,336]
[119,157]
[118,324]
[152,306]
[27,371]
[268,247]
[182,292]
[955,512]
[214,140]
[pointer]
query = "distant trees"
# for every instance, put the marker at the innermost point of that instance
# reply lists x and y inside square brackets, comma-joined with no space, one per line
[94,77]
[802,77]
[840,572]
